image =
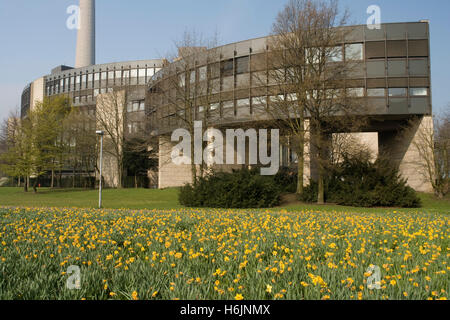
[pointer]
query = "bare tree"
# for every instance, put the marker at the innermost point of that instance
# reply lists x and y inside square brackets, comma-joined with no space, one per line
[307,64]
[186,88]
[82,139]
[110,117]
[431,144]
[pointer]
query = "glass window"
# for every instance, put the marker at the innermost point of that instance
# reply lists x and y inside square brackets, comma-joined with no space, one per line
[418,67]
[97,76]
[103,90]
[335,54]
[354,51]
[227,68]
[142,105]
[243,102]
[355,92]
[376,92]
[396,68]
[182,81]
[397,92]
[242,64]
[150,72]
[111,75]
[202,73]
[418,92]
[126,73]
[142,73]
[78,79]
[130,107]
[134,73]
[259,100]
[110,90]
[214,106]
[291,97]
[228,104]
[192,77]
[96,92]
[104,75]
[118,74]
[135,106]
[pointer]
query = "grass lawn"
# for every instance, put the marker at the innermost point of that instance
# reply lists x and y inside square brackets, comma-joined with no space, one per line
[79,198]
[167,199]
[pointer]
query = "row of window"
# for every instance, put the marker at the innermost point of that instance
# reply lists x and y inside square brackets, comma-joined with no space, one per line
[354,92]
[397,68]
[87,81]
[135,106]
[241,65]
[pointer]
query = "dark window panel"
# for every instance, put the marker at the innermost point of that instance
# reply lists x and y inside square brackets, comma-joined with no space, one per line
[398,106]
[376,69]
[397,68]
[396,49]
[376,83]
[397,82]
[418,48]
[418,31]
[376,34]
[375,49]
[419,105]
[242,65]
[418,67]
[396,31]
[227,68]
[419,82]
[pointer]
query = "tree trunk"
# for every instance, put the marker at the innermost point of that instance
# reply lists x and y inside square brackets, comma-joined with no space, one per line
[321,187]
[73,178]
[35,185]
[52,184]
[25,185]
[135,182]
[300,163]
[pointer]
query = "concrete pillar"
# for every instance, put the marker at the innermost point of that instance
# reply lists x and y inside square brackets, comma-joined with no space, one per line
[85,55]
[170,174]
[400,147]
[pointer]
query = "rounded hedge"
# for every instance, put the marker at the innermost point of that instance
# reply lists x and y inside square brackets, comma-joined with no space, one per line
[239,189]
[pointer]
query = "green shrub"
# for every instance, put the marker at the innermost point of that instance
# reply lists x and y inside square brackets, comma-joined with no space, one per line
[238,189]
[286,180]
[358,182]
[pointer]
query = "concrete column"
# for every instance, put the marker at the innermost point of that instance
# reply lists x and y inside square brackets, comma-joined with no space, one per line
[85,55]
[170,174]
[399,147]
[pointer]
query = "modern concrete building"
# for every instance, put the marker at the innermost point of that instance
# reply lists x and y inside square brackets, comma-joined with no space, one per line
[391,79]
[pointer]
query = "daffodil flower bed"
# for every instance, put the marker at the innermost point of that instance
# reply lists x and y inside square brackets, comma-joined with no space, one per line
[222,254]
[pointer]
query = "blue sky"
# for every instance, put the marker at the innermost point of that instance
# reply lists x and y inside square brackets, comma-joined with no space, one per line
[34,37]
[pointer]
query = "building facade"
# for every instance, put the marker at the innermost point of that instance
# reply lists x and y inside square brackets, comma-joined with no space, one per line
[391,79]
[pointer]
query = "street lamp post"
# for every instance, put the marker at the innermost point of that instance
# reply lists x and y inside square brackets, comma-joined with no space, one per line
[101,134]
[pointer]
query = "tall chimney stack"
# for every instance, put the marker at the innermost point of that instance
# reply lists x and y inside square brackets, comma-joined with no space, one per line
[86,35]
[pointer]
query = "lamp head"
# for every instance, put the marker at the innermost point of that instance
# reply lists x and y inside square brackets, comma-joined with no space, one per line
[99,132]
